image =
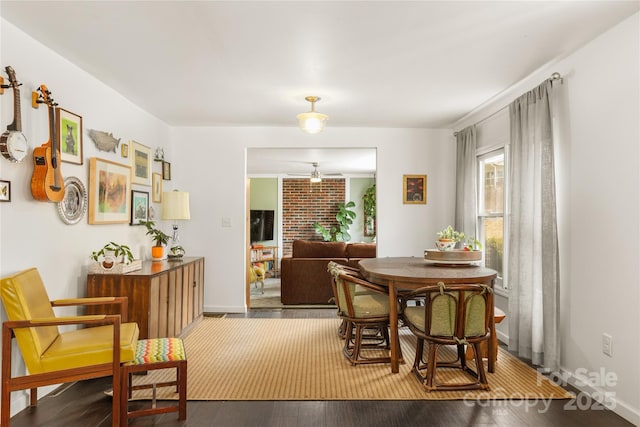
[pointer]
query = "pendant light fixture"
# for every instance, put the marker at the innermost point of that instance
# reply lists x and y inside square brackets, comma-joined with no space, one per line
[312,122]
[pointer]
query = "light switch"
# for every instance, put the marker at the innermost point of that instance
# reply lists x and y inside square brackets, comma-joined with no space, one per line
[226,221]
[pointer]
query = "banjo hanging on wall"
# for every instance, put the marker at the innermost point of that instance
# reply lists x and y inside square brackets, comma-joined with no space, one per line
[13,144]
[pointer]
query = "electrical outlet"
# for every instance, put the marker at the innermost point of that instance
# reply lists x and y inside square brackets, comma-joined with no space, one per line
[607,344]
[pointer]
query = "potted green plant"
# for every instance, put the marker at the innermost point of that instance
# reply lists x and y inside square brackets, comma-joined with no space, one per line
[159,238]
[369,209]
[344,217]
[111,254]
[448,238]
[472,244]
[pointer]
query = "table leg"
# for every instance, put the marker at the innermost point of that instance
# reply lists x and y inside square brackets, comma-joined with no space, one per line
[393,328]
[492,342]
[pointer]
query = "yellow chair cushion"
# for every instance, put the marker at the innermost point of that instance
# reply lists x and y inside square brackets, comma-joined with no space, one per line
[89,346]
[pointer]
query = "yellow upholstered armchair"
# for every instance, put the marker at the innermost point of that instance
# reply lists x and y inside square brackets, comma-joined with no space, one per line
[256,275]
[54,357]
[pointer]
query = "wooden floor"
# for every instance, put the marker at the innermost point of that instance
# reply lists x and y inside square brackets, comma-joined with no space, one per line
[84,404]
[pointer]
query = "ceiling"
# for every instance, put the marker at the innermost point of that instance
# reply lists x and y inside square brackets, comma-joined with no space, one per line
[288,162]
[416,64]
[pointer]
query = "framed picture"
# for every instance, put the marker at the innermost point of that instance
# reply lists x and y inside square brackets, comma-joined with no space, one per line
[156,188]
[140,164]
[5,191]
[109,192]
[414,189]
[166,171]
[124,150]
[69,127]
[139,207]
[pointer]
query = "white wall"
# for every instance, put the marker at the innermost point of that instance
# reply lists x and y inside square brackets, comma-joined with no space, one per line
[212,156]
[31,232]
[598,163]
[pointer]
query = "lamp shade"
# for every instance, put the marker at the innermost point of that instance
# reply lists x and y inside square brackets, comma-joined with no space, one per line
[312,122]
[175,205]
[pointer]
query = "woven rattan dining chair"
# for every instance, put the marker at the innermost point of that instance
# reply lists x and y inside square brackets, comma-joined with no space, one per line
[455,315]
[363,307]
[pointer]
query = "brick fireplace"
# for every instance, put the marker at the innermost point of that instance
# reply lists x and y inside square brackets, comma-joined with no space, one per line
[304,203]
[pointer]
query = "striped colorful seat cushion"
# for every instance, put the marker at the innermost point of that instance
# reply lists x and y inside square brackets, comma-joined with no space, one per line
[156,350]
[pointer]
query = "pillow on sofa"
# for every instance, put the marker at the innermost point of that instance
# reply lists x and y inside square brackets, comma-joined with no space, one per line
[318,249]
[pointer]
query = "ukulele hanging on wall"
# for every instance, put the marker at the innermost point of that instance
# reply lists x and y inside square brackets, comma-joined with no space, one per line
[47,183]
[13,144]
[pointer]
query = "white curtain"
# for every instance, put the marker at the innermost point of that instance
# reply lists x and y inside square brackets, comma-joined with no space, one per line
[533,271]
[466,218]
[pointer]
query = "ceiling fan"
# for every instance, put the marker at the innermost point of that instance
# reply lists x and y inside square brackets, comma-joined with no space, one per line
[315,175]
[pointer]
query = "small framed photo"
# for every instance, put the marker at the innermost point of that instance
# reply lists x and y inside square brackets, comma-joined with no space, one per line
[124,150]
[166,171]
[414,189]
[139,207]
[140,164]
[5,191]
[109,192]
[69,126]
[156,188]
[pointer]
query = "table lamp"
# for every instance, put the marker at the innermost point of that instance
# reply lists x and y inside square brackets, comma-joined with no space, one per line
[175,206]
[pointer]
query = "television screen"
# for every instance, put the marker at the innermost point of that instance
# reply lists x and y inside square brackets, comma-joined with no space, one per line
[261,225]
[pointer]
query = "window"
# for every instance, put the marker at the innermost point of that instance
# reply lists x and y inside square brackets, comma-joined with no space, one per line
[491,207]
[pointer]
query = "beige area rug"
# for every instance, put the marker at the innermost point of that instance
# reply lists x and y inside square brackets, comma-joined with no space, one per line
[301,359]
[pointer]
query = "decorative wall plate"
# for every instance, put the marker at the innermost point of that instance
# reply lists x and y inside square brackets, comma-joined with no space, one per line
[74,204]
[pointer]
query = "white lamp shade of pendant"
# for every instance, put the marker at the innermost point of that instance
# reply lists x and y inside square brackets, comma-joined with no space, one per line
[312,122]
[175,205]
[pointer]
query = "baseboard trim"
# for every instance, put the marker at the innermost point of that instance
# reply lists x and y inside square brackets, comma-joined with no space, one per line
[597,394]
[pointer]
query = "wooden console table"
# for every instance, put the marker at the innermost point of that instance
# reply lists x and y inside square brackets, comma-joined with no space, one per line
[165,298]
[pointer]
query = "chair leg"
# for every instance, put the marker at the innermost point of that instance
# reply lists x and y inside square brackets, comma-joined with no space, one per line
[482,376]
[431,366]
[5,406]
[417,363]
[182,393]
[33,396]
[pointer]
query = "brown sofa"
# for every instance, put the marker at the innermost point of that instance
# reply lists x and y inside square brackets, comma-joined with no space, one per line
[303,275]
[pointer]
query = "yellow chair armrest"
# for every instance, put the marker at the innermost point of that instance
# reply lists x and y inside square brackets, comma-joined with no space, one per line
[123,301]
[57,321]
[88,301]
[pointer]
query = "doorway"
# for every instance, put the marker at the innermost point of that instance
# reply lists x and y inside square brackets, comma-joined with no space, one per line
[271,175]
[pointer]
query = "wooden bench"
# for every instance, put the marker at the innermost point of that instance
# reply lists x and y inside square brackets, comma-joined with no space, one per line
[152,354]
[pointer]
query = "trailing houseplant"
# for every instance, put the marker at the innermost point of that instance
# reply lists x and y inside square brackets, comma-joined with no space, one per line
[448,238]
[369,208]
[339,233]
[472,244]
[111,253]
[159,238]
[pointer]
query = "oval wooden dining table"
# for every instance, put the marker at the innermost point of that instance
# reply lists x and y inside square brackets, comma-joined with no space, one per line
[413,273]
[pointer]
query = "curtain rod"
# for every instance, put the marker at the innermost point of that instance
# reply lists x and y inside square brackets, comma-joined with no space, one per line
[554,76]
